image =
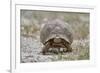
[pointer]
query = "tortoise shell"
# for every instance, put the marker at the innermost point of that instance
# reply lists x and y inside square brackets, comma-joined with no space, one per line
[56,28]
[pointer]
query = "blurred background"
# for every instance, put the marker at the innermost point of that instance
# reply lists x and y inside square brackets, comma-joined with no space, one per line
[31,22]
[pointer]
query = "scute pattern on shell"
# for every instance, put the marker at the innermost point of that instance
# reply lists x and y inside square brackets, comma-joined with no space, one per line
[56,27]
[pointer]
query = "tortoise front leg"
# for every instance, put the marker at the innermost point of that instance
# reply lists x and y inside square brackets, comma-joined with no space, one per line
[45,48]
[68,48]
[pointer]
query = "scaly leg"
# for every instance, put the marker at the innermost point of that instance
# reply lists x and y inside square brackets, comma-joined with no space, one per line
[68,48]
[45,48]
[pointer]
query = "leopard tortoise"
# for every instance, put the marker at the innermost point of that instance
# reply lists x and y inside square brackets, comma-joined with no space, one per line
[56,34]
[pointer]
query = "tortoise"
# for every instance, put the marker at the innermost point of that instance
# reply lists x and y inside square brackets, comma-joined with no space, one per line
[56,34]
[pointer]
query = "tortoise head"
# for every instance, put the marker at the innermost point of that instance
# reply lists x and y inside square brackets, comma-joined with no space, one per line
[57,40]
